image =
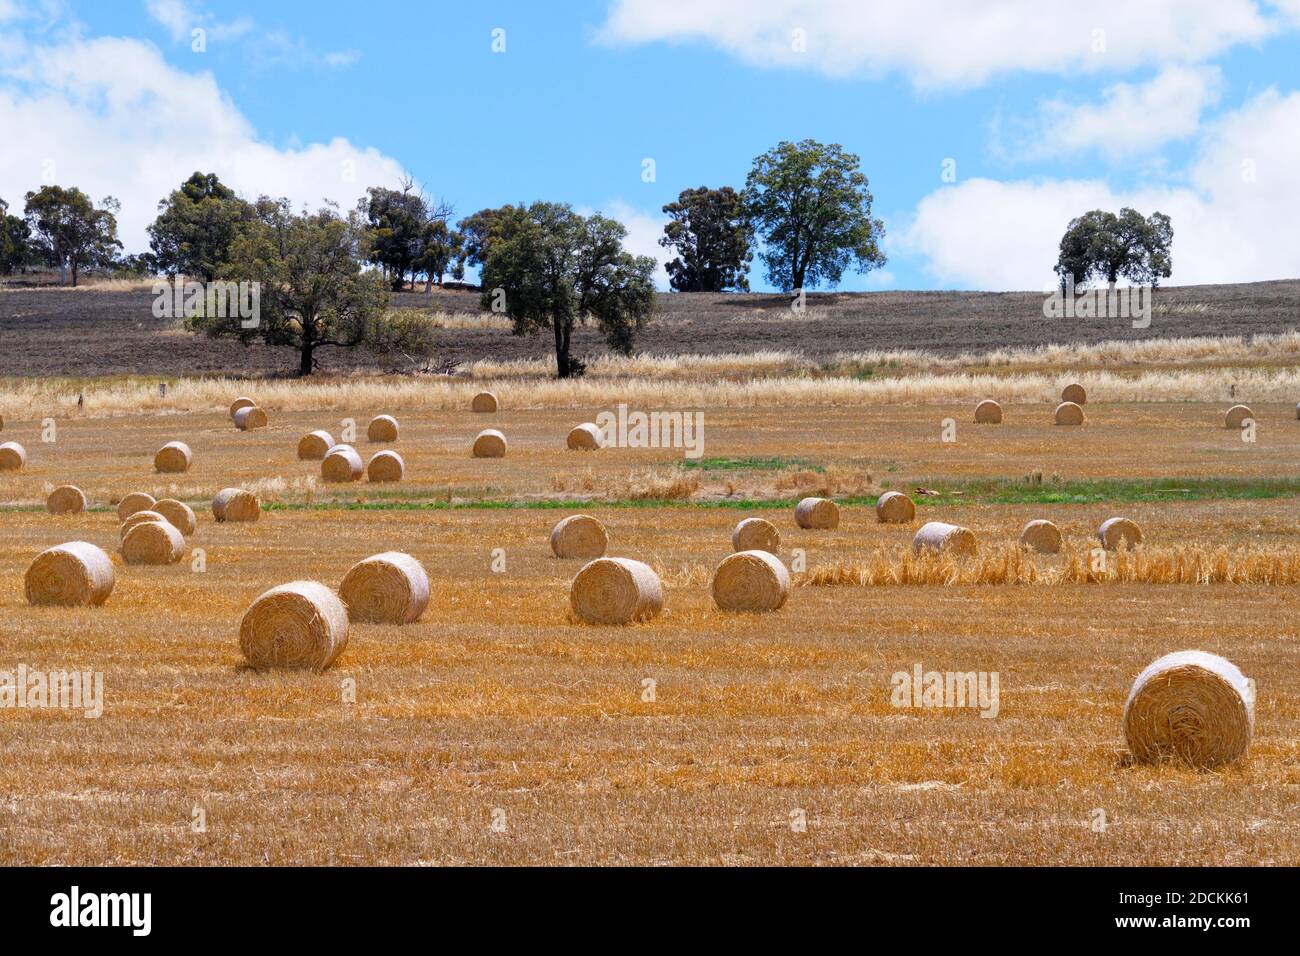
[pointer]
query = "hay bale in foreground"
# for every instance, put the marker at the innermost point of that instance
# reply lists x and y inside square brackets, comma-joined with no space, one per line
[616,591]
[135,501]
[314,446]
[944,538]
[988,412]
[153,542]
[756,534]
[386,466]
[66,500]
[1069,413]
[579,536]
[894,507]
[173,458]
[820,514]
[76,574]
[178,514]
[382,428]
[242,402]
[302,624]
[388,588]
[1237,415]
[140,517]
[1074,393]
[750,581]
[12,456]
[1042,536]
[485,402]
[236,504]
[490,443]
[585,437]
[341,464]
[250,418]
[1117,533]
[1191,707]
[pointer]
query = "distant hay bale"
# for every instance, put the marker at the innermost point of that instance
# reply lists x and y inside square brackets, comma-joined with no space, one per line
[490,443]
[314,446]
[66,500]
[750,581]
[342,464]
[894,507]
[178,514]
[241,402]
[820,514]
[388,588]
[153,542]
[12,456]
[236,504]
[76,574]
[940,537]
[382,428]
[135,501]
[616,591]
[249,418]
[140,517]
[988,412]
[386,466]
[485,402]
[302,624]
[1069,413]
[585,437]
[1074,393]
[173,458]
[1191,707]
[1297,411]
[756,534]
[1041,536]
[1117,533]
[579,536]
[1236,415]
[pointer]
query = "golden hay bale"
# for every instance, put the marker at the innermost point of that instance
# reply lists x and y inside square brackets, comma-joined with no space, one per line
[135,501]
[490,443]
[66,500]
[1297,410]
[241,402]
[341,464]
[1074,393]
[382,428]
[750,581]
[12,456]
[616,591]
[178,514]
[938,536]
[153,542]
[314,446]
[236,504]
[579,536]
[249,418]
[1069,413]
[485,402]
[1192,707]
[1236,415]
[173,457]
[76,574]
[1041,536]
[894,507]
[140,517]
[296,625]
[988,412]
[388,588]
[585,437]
[1117,533]
[756,534]
[386,466]
[819,513]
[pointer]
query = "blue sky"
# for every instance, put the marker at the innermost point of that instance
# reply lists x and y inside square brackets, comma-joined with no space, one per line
[1044,118]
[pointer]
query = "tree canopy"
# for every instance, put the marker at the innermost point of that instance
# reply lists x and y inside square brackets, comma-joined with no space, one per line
[1103,247]
[71,232]
[196,226]
[708,230]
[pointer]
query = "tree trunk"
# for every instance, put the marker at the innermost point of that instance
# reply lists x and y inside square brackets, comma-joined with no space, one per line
[74,273]
[561,350]
[305,358]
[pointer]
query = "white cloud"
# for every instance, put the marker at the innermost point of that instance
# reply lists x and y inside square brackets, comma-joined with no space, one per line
[178,18]
[643,232]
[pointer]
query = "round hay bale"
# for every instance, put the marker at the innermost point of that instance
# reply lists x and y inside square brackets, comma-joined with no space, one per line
[988,412]
[1074,393]
[820,514]
[485,402]
[173,458]
[302,624]
[76,574]
[386,466]
[490,443]
[241,402]
[1236,415]
[756,534]
[314,446]
[135,501]
[341,464]
[12,456]
[178,514]
[66,500]
[382,428]
[1069,413]
[750,581]
[585,437]
[579,536]
[1041,536]
[616,591]
[894,507]
[940,537]
[249,418]
[140,517]
[1192,707]
[236,504]
[1297,411]
[388,588]
[153,542]
[1117,533]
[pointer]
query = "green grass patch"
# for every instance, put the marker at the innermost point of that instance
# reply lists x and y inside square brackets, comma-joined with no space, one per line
[750,464]
[1007,491]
